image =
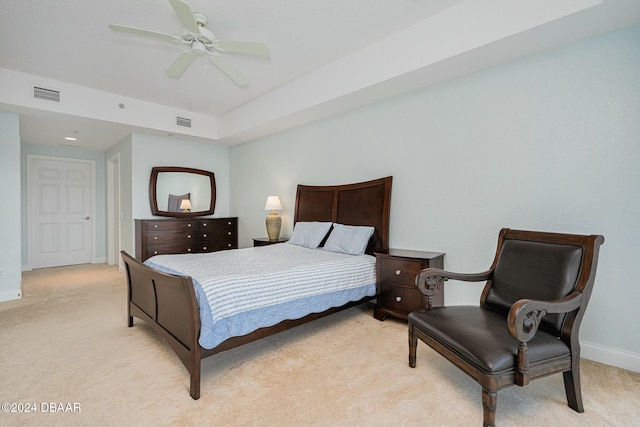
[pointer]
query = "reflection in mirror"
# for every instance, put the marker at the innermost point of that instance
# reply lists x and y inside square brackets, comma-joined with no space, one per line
[170,185]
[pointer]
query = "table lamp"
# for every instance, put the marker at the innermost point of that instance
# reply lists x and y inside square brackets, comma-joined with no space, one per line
[273,221]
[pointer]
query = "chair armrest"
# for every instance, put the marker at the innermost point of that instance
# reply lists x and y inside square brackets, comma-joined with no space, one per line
[525,315]
[431,280]
[523,321]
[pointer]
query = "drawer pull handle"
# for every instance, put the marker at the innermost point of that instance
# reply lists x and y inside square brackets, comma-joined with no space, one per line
[229,223]
[155,238]
[204,224]
[155,225]
[188,236]
[189,250]
[204,248]
[189,225]
[228,233]
[398,299]
[228,245]
[204,235]
[398,272]
[155,252]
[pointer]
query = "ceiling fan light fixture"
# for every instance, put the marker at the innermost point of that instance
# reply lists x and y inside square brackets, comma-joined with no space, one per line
[198,47]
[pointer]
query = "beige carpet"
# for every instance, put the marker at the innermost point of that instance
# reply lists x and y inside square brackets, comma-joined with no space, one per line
[66,342]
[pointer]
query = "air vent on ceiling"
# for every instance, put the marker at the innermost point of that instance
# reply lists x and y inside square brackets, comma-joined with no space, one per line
[181,121]
[46,94]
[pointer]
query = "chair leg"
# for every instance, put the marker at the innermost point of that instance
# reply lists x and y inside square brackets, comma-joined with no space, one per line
[413,345]
[573,390]
[489,403]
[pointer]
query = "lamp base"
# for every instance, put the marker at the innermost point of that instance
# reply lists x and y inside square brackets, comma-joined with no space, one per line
[274,223]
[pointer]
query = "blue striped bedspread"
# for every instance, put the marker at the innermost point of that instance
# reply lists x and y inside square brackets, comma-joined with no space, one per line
[241,290]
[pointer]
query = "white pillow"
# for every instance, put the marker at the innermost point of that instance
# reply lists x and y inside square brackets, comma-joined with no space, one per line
[348,239]
[309,234]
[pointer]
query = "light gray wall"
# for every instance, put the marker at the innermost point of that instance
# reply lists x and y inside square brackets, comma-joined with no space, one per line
[11,279]
[139,153]
[550,142]
[124,149]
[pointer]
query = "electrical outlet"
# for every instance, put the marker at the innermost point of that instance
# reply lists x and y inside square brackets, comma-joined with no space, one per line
[2,274]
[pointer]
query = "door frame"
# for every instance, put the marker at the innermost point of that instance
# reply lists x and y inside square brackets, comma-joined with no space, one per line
[30,225]
[114,218]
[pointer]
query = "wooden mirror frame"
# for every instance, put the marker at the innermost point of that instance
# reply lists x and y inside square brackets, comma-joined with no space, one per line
[153,196]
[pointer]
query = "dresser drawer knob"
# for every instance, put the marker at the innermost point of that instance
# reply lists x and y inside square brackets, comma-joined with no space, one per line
[204,224]
[155,225]
[398,272]
[204,235]
[189,250]
[155,252]
[229,223]
[189,225]
[204,248]
[228,233]
[398,299]
[188,236]
[228,245]
[155,237]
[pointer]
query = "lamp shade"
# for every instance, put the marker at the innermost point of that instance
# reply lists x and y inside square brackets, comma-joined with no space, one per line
[185,204]
[273,204]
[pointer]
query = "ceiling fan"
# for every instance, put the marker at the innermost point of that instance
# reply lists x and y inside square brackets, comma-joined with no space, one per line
[201,41]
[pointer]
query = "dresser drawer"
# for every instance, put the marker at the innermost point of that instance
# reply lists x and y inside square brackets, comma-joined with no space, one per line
[399,270]
[215,245]
[400,298]
[171,237]
[181,236]
[217,223]
[167,225]
[168,249]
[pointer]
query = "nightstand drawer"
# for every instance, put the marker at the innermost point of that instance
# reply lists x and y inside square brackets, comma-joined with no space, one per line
[399,270]
[396,291]
[400,298]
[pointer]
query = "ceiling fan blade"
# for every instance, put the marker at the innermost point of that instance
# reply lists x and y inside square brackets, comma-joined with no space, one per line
[229,69]
[181,63]
[141,32]
[185,15]
[248,48]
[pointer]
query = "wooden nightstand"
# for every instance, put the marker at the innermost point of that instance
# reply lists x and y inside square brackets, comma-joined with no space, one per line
[397,294]
[264,241]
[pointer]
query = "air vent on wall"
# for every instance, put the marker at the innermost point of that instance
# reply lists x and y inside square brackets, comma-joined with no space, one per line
[181,121]
[46,94]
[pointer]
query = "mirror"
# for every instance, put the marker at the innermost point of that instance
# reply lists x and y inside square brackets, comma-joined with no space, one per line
[170,185]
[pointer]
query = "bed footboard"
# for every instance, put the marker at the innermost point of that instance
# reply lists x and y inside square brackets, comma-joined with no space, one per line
[168,304]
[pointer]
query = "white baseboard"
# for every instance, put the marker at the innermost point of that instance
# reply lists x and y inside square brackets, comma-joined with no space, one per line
[102,260]
[11,295]
[610,356]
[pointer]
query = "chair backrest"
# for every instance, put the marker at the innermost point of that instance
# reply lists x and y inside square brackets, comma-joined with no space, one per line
[540,266]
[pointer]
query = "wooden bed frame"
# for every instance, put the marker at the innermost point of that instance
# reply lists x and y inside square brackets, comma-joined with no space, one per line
[168,302]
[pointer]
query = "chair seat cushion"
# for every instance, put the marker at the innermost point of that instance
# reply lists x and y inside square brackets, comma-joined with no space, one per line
[481,337]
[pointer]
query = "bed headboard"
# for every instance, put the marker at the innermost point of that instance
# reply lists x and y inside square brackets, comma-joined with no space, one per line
[362,203]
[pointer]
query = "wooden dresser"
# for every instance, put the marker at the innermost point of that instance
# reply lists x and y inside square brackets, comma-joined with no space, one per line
[397,294]
[184,235]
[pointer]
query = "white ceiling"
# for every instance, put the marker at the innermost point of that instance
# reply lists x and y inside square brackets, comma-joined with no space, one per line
[326,56]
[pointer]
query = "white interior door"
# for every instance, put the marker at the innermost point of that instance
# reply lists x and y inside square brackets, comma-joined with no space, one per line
[60,195]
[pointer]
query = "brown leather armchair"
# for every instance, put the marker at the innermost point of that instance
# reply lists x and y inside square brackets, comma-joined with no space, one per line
[528,320]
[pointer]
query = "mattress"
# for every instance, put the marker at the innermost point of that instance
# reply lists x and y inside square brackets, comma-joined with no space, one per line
[241,290]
